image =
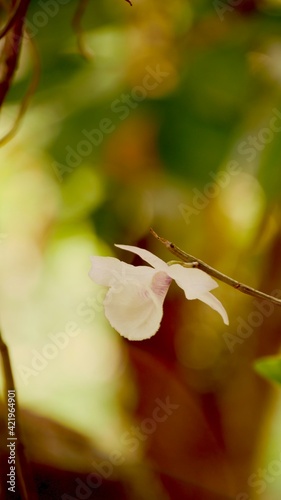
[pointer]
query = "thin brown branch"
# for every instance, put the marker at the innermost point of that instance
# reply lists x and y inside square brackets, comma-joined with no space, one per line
[76,24]
[29,93]
[11,50]
[11,19]
[26,482]
[199,264]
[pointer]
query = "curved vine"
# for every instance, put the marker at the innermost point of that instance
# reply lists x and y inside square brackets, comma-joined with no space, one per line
[12,33]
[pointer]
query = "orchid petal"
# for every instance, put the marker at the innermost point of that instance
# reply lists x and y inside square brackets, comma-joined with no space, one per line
[147,256]
[197,285]
[215,304]
[112,272]
[194,282]
[136,309]
[104,269]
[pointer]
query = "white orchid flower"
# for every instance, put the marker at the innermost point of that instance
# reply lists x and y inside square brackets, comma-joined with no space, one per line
[133,304]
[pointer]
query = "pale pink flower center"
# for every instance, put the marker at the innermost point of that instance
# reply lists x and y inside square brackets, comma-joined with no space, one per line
[160,283]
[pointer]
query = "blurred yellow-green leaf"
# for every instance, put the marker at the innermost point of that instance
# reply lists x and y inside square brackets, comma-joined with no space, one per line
[270,368]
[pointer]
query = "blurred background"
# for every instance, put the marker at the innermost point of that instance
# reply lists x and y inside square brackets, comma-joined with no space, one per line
[170,118]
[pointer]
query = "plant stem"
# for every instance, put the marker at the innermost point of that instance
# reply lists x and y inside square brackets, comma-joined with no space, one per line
[199,264]
[26,482]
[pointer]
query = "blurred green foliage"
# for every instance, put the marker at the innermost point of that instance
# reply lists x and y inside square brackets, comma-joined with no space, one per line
[269,368]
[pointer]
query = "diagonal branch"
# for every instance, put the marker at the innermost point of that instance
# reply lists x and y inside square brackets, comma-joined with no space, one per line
[26,481]
[199,264]
[11,48]
[11,20]
[29,93]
